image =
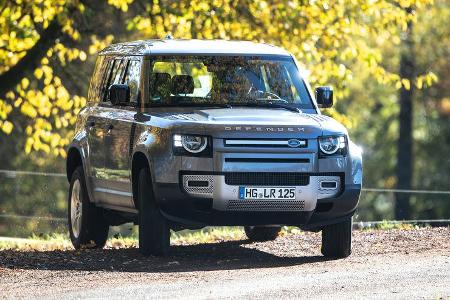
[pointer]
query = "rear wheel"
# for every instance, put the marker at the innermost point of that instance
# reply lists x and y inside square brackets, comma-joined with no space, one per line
[154,233]
[261,233]
[87,226]
[337,239]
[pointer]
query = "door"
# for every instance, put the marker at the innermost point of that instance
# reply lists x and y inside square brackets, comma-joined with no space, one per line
[96,147]
[95,125]
[119,136]
[98,128]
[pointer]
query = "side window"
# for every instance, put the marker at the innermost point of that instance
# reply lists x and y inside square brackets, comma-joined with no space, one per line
[106,74]
[96,80]
[132,78]
[114,74]
[118,70]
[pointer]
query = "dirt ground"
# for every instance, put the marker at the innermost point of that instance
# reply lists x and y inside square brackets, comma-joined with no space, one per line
[403,264]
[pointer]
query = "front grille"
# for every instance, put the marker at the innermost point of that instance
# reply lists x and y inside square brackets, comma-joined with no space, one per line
[267,160]
[266,143]
[267,179]
[266,205]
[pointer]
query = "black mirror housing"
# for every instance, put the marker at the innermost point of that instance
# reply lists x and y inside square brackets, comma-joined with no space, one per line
[324,96]
[119,93]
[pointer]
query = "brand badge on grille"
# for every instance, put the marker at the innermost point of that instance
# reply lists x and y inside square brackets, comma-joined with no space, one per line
[294,143]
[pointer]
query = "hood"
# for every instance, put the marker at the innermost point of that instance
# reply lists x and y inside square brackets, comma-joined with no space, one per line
[256,120]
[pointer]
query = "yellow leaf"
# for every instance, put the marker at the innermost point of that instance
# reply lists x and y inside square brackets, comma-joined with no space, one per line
[406,84]
[18,102]
[25,83]
[419,83]
[38,73]
[82,56]
[28,110]
[54,140]
[7,127]
[63,153]
[10,95]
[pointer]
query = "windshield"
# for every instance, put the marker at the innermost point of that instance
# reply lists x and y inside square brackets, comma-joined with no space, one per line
[226,80]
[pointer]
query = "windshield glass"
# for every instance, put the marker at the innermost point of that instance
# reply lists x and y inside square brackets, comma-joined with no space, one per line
[226,80]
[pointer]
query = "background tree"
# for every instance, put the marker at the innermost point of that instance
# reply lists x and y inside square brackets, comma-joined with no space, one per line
[47,52]
[326,38]
[404,168]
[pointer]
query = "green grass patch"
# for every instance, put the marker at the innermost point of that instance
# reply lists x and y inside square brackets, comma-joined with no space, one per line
[59,241]
[390,225]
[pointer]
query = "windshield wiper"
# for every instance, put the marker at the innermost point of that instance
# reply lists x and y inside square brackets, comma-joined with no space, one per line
[268,105]
[191,104]
[231,105]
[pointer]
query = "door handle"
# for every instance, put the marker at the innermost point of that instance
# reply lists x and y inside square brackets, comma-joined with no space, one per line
[109,127]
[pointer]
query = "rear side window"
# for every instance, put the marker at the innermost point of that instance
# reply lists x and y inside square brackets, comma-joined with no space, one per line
[105,79]
[117,73]
[132,78]
[94,94]
[113,75]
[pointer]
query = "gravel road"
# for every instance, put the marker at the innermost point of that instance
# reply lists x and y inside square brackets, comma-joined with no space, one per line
[404,264]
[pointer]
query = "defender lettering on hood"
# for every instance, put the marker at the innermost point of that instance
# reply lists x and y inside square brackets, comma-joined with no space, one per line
[266,129]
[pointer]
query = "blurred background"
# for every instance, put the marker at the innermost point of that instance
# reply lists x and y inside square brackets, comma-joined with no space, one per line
[388,61]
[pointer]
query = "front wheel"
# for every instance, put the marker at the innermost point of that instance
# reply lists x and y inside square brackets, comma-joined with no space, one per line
[154,232]
[337,239]
[87,226]
[261,233]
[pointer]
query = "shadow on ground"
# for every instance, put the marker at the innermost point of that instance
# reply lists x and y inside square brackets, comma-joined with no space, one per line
[205,257]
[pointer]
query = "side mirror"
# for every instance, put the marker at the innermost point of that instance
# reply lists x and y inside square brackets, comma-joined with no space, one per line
[324,96]
[119,93]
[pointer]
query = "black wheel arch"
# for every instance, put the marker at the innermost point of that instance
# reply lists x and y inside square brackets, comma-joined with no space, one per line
[73,160]
[138,162]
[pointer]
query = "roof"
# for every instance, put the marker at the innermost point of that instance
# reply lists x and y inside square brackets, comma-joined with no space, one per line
[206,47]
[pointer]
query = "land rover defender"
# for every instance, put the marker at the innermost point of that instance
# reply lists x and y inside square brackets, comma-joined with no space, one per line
[189,133]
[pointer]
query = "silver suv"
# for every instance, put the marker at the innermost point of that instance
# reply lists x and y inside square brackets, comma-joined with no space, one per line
[187,133]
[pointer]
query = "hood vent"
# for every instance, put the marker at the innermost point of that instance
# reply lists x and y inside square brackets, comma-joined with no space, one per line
[180,117]
[318,118]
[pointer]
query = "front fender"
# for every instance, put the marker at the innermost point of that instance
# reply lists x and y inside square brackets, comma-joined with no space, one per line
[156,145]
[355,153]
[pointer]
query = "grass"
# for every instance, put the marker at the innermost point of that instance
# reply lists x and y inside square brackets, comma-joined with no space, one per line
[207,235]
[37,243]
[389,225]
[59,241]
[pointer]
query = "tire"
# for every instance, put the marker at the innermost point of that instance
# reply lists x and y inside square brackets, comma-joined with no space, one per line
[337,240]
[154,232]
[261,233]
[87,226]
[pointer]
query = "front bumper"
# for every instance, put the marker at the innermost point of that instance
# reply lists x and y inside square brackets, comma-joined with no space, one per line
[219,205]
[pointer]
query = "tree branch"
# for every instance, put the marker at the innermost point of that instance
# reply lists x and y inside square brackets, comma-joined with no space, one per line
[31,60]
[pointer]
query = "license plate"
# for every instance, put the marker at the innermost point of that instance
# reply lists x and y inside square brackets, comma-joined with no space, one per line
[266,193]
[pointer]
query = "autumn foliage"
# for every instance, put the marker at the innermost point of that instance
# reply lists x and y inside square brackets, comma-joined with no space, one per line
[39,38]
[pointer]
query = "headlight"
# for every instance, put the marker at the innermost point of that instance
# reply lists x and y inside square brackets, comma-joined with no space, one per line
[190,143]
[332,144]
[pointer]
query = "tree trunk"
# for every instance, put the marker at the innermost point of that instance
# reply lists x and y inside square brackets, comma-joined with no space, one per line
[404,168]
